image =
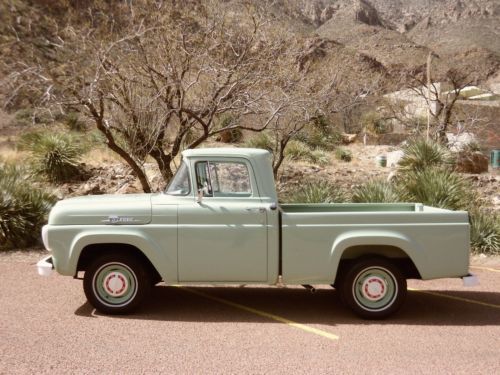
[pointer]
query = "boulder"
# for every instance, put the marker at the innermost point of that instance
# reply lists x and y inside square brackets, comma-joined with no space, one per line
[471,162]
[458,142]
[394,157]
[348,138]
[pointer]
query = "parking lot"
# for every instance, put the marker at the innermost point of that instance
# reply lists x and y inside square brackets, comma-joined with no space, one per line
[46,326]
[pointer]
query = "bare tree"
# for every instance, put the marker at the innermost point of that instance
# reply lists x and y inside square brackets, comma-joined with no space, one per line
[440,102]
[160,84]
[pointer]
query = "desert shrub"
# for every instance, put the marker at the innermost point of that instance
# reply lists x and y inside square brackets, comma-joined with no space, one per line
[326,139]
[319,157]
[420,154]
[343,154]
[374,122]
[485,233]
[297,150]
[231,135]
[30,116]
[320,133]
[316,192]
[74,123]
[55,156]
[262,140]
[23,208]
[376,191]
[437,187]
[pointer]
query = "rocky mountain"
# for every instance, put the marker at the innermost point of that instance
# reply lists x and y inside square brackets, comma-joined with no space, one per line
[399,34]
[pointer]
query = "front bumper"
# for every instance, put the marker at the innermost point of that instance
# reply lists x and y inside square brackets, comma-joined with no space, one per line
[45,266]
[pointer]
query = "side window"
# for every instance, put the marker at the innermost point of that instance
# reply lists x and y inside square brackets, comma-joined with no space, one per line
[223,179]
[180,184]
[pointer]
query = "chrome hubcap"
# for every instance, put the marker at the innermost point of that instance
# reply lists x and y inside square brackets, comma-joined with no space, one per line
[115,284]
[374,288]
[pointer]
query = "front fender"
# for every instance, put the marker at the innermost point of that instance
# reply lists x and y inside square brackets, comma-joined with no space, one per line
[159,259]
[385,238]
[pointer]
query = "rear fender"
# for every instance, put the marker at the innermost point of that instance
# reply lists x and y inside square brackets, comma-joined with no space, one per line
[370,238]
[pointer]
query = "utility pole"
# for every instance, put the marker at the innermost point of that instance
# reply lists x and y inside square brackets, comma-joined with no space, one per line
[429,60]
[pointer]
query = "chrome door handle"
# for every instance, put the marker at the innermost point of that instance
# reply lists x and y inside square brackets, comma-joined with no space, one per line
[252,209]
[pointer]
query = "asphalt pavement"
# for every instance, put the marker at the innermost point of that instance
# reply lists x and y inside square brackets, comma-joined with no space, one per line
[46,326]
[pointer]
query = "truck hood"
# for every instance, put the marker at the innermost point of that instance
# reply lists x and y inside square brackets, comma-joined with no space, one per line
[130,209]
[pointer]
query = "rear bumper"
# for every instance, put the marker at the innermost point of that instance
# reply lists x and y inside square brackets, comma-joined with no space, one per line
[470,280]
[45,266]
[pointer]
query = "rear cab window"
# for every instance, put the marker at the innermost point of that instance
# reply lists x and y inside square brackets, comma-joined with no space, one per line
[223,179]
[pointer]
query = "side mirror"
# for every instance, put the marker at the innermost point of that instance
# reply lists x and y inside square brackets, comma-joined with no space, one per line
[199,196]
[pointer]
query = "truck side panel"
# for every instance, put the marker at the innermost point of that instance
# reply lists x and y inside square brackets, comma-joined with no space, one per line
[313,243]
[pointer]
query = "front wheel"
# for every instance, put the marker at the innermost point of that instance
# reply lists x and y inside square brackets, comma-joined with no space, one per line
[373,288]
[116,283]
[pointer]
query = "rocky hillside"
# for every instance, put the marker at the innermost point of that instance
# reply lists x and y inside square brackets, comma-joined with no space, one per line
[399,34]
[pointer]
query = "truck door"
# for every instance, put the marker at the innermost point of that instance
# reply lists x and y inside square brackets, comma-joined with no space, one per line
[223,237]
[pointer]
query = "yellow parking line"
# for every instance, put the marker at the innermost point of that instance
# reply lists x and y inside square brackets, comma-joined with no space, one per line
[456,298]
[485,268]
[264,314]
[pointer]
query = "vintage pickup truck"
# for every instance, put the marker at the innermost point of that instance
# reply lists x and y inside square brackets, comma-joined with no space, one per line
[219,222]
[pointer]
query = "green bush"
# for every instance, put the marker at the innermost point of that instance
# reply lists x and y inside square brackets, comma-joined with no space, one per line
[437,187]
[485,233]
[55,156]
[316,192]
[262,140]
[376,191]
[421,154]
[23,208]
[343,154]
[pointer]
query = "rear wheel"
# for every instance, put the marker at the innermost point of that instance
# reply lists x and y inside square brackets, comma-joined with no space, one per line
[373,288]
[116,283]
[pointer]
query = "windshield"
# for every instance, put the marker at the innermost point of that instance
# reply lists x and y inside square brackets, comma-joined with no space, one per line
[180,184]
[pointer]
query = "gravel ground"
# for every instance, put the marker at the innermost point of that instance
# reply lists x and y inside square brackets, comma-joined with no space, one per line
[46,326]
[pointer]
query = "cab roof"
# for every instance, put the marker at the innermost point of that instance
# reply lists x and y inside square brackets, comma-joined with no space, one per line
[226,151]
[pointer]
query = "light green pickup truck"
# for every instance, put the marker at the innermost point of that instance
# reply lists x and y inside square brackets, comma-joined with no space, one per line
[219,222]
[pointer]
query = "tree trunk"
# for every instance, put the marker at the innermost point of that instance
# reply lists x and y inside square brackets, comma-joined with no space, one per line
[110,141]
[163,161]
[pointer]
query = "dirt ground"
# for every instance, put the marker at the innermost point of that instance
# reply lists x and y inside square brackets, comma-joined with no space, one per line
[46,326]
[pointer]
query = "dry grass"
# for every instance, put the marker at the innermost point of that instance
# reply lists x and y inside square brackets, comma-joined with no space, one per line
[99,156]
[11,155]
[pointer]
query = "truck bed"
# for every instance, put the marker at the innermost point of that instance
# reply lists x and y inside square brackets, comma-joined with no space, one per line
[358,207]
[316,236]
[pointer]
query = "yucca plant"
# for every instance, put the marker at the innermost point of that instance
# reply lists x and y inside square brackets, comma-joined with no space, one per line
[421,154]
[343,154]
[55,156]
[376,191]
[437,187]
[316,192]
[23,208]
[485,233]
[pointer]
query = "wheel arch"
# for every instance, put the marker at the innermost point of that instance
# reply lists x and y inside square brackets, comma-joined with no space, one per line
[397,248]
[88,245]
[90,252]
